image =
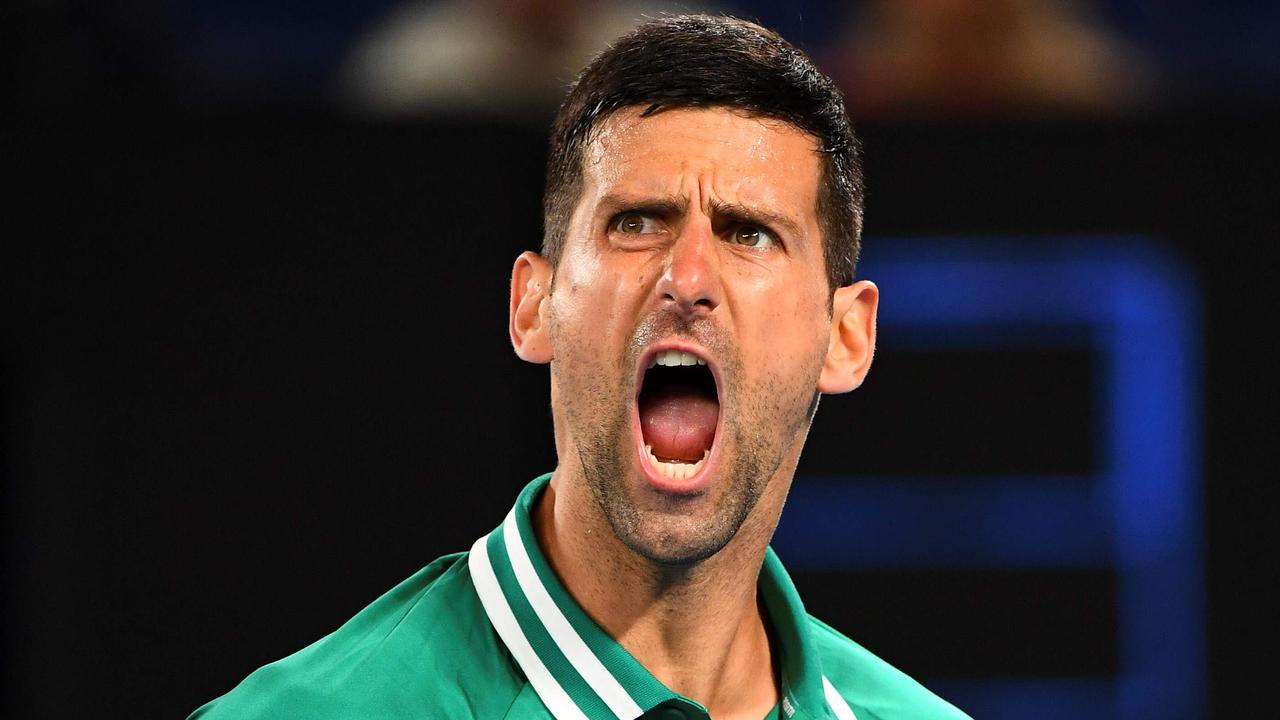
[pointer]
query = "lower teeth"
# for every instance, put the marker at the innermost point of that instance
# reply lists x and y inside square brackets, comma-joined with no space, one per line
[677,470]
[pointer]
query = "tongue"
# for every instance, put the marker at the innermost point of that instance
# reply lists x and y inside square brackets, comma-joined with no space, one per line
[678,421]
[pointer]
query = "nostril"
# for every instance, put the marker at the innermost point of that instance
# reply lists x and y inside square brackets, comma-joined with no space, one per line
[691,303]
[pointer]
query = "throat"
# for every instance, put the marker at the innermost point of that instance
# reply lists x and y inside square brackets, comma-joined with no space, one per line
[701,631]
[678,419]
[718,651]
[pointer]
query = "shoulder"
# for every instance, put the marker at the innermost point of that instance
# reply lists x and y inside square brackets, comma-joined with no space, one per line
[424,649]
[873,688]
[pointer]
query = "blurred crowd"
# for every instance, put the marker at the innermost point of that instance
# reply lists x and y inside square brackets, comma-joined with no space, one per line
[396,59]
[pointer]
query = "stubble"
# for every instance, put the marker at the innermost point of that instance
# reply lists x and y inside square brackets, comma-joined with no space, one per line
[760,422]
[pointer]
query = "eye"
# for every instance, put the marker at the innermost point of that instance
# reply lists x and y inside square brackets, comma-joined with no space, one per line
[634,223]
[752,236]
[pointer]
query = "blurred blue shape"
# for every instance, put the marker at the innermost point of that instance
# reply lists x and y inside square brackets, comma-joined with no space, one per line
[1140,513]
[859,522]
[1048,699]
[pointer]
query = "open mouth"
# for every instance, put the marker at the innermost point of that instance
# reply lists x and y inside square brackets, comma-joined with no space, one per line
[679,410]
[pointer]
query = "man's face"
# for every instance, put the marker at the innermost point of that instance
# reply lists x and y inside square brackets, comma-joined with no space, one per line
[695,240]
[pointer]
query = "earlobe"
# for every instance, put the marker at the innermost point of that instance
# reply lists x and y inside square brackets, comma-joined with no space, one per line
[530,286]
[853,338]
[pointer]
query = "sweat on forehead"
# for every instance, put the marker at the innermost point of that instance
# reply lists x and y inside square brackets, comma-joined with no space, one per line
[627,123]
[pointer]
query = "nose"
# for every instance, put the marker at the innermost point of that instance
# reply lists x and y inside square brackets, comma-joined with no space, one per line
[691,278]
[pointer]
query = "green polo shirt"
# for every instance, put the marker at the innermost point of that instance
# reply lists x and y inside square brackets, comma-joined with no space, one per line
[493,634]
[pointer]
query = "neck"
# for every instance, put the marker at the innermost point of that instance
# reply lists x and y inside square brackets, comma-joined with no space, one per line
[698,628]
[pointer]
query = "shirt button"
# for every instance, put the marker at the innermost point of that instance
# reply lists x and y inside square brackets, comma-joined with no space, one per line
[672,713]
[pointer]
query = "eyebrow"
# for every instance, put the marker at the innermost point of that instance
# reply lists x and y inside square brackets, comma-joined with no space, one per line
[675,205]
[745,215]
[663,206]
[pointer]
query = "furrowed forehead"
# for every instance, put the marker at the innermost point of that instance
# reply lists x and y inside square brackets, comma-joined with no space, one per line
[631,134]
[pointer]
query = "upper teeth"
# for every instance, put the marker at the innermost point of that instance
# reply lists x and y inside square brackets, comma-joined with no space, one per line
[676,358]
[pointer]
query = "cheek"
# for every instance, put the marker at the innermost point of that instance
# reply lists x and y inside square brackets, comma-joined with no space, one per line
[593,307]
[791,335]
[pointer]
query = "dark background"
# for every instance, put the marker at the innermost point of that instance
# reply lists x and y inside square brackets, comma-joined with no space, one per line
[254,371]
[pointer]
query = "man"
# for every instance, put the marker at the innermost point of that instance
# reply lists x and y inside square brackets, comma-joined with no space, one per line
[694,298]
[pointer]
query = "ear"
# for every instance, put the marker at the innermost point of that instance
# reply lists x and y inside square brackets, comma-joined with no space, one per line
[853,338]
[530,285]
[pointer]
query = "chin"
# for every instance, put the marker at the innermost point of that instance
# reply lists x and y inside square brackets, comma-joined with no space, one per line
[673,540]
[676,529]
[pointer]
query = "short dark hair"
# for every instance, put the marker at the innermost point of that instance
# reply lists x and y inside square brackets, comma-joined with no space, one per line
[712,61]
